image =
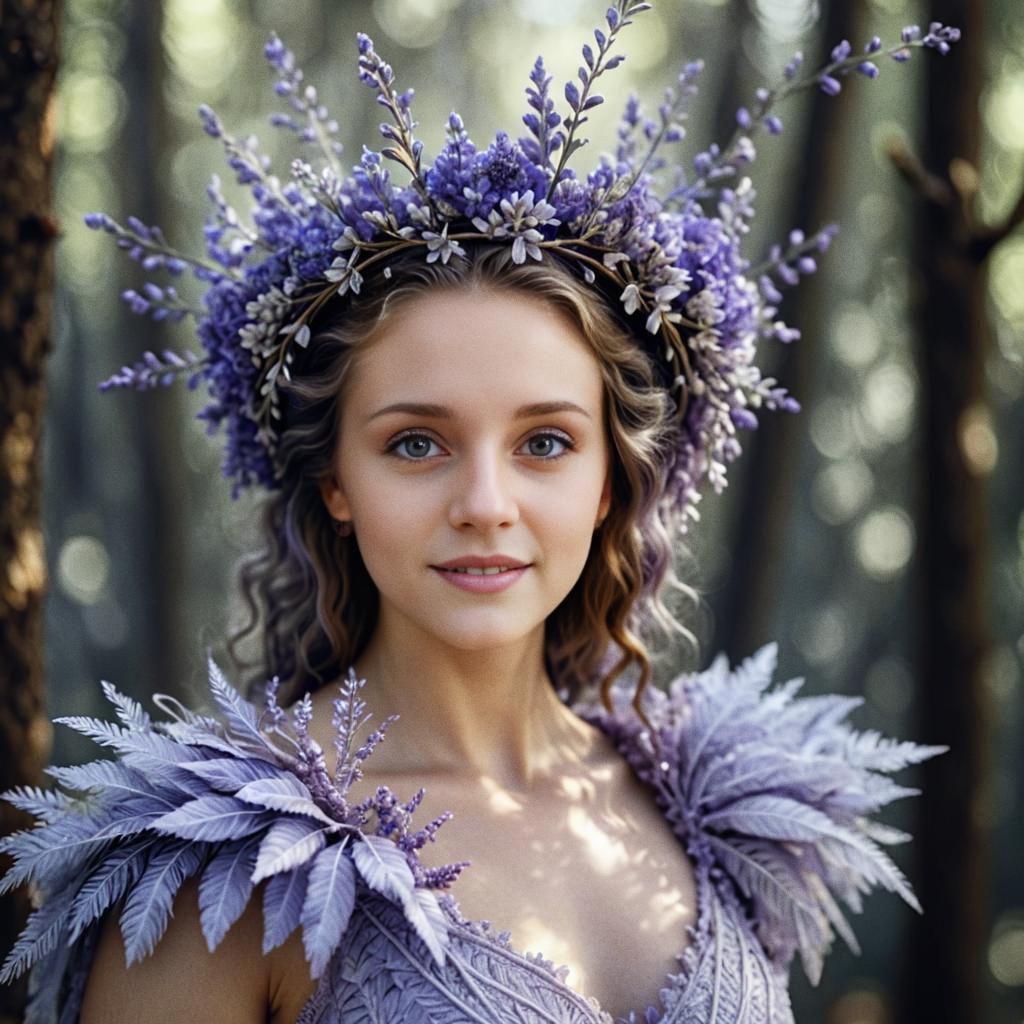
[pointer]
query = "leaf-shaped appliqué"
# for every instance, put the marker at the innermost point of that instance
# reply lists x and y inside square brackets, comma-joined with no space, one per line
[283,899]
[225,888]
[384,868]
[211,818]
[229,774]
[772,817]
[39,937]
[327,908]
[776,788]
[45,804]
[148,906]
[107,884]
[128,710]
[288,844]
[286,793]
[241,717]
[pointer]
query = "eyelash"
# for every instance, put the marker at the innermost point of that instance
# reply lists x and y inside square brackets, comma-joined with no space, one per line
[392,448]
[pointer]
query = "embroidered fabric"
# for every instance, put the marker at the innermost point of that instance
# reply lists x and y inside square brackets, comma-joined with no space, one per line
[770,794]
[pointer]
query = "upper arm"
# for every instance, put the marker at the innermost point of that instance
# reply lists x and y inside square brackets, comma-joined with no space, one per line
[181,980]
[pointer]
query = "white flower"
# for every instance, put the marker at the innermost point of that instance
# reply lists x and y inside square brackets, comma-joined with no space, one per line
[630,298]
[663,308]
[440,245]
[519,217]
[337,270]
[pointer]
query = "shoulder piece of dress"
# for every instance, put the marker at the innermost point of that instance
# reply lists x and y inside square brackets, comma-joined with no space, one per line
[236,799]
[772,794]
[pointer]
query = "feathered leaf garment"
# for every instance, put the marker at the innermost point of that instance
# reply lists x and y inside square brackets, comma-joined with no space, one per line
[770,793]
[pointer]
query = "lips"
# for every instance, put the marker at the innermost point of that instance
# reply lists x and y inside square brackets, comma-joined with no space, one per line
[480,564]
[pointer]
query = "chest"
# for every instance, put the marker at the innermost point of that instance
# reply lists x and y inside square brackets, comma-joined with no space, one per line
[590,876]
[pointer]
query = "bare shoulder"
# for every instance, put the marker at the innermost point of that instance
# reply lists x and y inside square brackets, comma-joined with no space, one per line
[182,980]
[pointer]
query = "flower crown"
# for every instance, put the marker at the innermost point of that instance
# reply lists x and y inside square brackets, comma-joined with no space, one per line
[673,259]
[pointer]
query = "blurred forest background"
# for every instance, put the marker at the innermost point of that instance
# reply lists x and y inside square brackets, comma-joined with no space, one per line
[840,535]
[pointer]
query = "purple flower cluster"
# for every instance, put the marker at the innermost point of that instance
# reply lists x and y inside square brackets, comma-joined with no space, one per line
[673,255]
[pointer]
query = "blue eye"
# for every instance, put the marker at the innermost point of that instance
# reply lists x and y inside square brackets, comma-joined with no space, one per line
[414,446]
[417,447]
[542,446]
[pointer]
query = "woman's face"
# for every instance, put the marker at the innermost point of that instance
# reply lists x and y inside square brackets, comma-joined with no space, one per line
[472,427]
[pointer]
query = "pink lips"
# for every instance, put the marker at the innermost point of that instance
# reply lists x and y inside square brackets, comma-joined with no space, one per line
[482,584]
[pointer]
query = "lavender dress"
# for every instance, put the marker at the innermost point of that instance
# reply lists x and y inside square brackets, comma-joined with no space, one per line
[769,793]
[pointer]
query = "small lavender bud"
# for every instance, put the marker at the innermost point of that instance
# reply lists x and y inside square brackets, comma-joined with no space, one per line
[829,85]
[841,50]
[743,117]
[794,65]
[211,123]
[868,69]
[910,33]
[773,124]
[874,46]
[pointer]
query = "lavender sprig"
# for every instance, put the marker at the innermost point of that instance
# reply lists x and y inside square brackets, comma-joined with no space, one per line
[317,126]
[152,372]
[672,112]
[159,303]
[407,151]
[724,161]
[617,18]
[148,246]
[797,258]
[545,140]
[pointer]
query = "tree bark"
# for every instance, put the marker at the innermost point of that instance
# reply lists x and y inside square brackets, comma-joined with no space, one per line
[944,968]
[28,41]
[768,483]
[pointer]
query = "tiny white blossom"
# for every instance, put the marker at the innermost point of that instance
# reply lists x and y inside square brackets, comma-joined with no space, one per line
[441,246]
[630,298]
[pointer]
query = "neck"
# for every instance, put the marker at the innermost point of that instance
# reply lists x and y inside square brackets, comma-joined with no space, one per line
[487,714]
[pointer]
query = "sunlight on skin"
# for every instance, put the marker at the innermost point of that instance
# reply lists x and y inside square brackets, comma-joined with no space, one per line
[605,853]
[499,799]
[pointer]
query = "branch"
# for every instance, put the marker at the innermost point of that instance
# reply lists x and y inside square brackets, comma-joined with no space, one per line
[962,185]
[930,187]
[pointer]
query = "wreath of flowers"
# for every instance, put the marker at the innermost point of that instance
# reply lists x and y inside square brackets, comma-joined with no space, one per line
[667,244]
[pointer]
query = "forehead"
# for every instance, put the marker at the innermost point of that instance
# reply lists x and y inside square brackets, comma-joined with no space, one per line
[501,348]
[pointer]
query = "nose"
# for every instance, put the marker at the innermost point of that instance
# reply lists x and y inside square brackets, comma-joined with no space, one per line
[483,492]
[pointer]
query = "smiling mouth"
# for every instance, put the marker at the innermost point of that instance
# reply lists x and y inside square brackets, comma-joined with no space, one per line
[492,570]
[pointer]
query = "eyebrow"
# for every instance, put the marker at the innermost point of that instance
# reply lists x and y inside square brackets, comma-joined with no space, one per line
[442,412]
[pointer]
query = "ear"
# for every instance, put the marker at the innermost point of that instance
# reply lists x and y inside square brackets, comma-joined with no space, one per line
[606,500]
[334,497]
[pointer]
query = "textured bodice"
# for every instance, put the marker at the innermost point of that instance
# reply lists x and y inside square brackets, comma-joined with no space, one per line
[770,794]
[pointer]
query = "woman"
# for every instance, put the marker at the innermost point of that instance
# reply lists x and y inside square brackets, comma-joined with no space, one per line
[480,460]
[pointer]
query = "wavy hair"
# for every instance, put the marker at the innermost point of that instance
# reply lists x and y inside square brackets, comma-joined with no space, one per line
[309,599]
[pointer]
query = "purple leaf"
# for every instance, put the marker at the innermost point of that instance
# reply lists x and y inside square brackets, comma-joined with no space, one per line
[232,773]
[225,888]
[282,906]
[145,914]
[288,844]
[107,884]
[327,909]
[286,793]
[384,867]
[211,818]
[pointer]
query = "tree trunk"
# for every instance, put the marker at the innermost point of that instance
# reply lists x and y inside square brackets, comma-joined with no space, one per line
[943,977]
[768,482]
[28,41]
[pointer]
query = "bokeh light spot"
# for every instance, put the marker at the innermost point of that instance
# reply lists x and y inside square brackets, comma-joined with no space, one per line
[83,567]
[884,542]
